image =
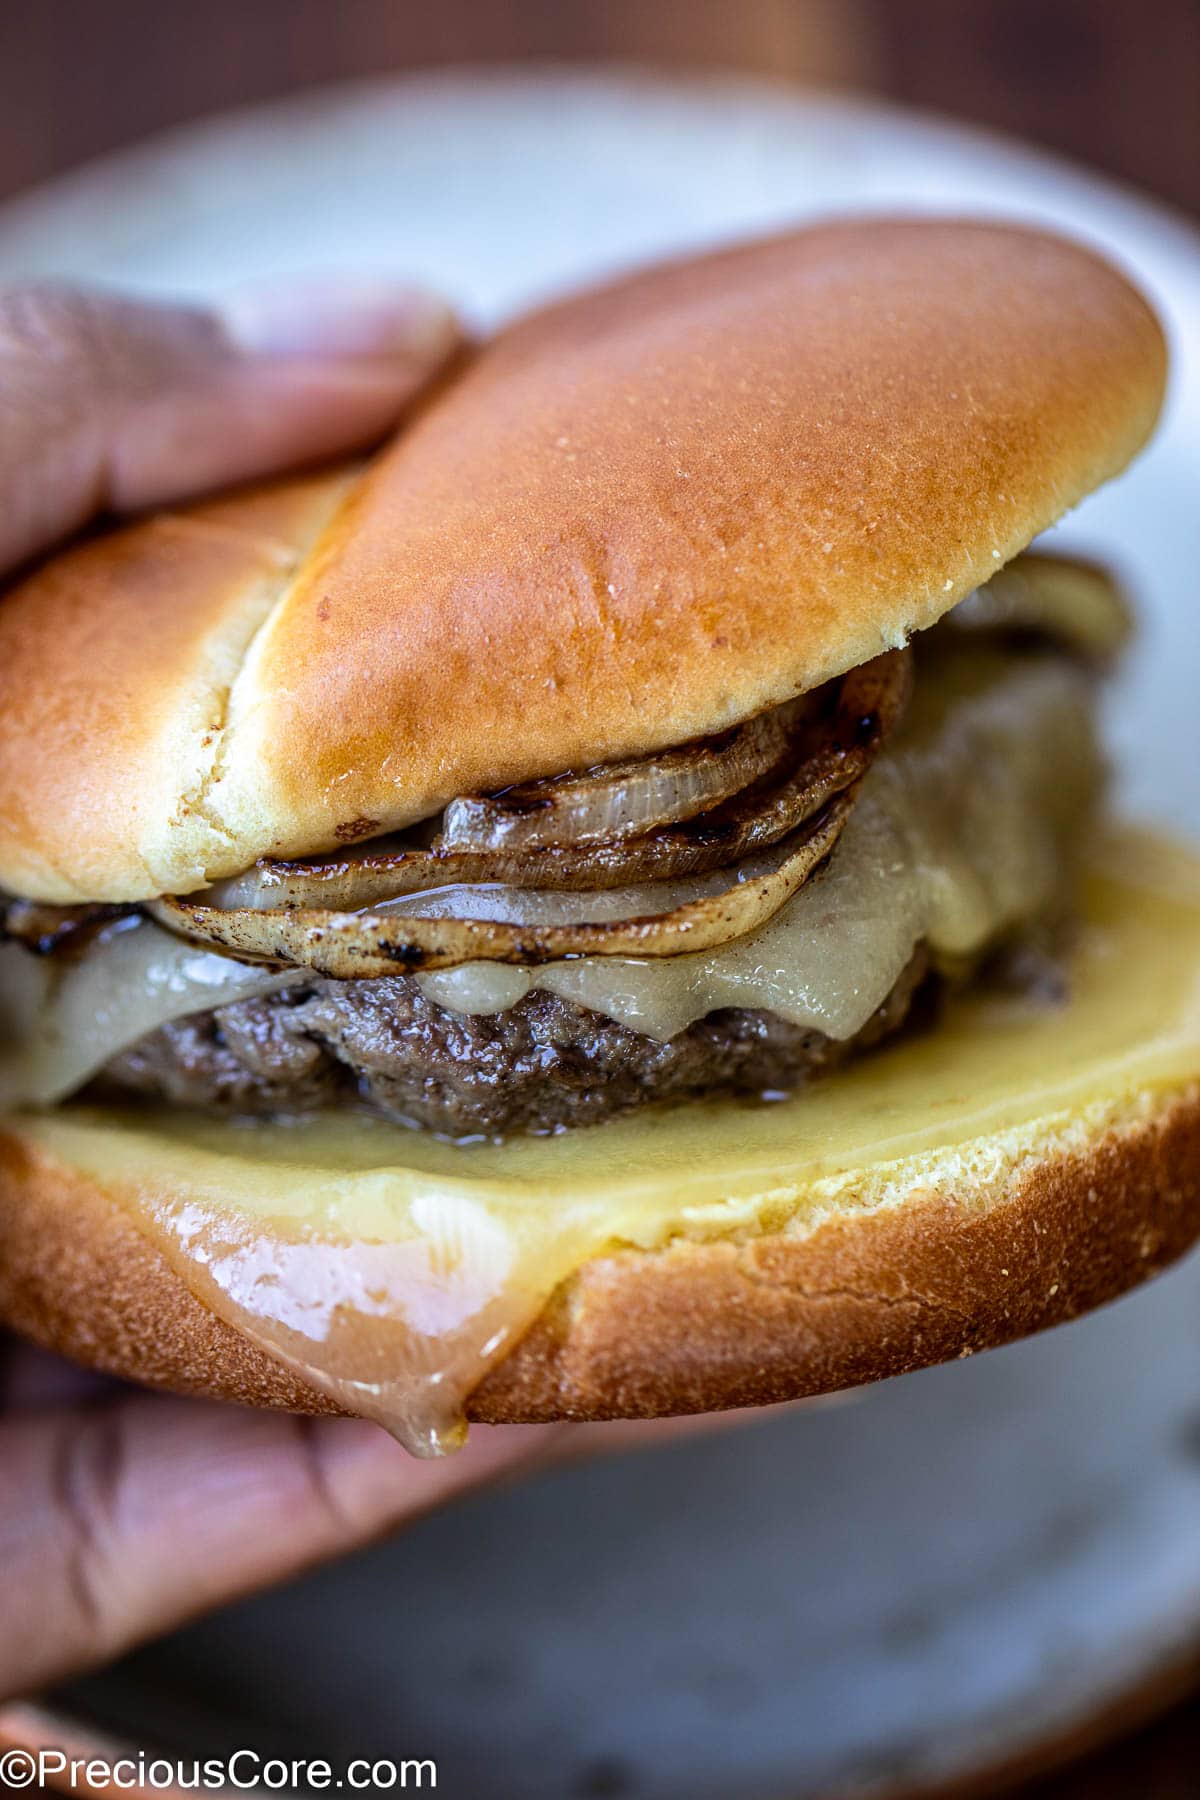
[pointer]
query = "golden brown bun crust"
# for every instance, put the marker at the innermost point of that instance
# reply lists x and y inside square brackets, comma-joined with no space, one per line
[636,517]
[691,1327]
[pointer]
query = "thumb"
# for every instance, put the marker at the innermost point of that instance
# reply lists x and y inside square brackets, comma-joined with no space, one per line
[107,402]
[122,1520]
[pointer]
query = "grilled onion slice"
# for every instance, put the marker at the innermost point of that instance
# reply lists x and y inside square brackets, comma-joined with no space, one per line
[345,944]
[46,929]
[1072,602]
[349,885]
[819,759]
[624,799]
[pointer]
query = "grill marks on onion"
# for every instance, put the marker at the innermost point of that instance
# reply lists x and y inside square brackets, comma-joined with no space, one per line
[771,835]
[48,930]
[626,799]
[821,755]
[359,944]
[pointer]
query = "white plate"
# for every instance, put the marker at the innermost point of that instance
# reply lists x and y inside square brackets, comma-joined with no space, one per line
[964,1565]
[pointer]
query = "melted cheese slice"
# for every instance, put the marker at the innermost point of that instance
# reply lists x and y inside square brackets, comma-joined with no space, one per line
[392,1269]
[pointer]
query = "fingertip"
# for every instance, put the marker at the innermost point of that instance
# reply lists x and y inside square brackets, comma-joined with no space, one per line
[255,418]
[338,318]
[118,404]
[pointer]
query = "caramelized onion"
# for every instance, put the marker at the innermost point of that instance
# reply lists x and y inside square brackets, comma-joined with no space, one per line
[46,929]
[833,753]
[1077,604]
[623,799]
[364,944]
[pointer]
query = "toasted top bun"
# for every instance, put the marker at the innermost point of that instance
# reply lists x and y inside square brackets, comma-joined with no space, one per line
[635,518]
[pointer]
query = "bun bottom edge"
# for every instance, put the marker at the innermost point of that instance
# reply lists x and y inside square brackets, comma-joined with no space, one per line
[946,1267]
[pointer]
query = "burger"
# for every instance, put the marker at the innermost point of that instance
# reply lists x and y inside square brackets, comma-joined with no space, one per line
[604,911]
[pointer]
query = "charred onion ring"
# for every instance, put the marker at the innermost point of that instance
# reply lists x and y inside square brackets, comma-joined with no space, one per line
[623,799]
[363,944]
[835,753]
[1072,602]
[46,929]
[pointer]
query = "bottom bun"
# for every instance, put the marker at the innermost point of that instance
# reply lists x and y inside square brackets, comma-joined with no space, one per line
[958,1252]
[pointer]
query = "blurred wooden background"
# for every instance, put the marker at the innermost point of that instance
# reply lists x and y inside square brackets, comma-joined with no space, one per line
[1114,82]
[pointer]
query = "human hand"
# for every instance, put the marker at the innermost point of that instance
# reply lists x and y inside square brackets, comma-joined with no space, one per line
[124,1513]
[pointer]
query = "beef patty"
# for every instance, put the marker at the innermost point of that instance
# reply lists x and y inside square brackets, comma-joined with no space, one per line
[544,1064]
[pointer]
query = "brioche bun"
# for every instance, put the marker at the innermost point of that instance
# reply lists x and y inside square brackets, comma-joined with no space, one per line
[636,517]
[916,1262]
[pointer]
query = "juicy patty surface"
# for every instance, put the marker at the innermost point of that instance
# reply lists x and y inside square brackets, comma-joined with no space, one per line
[544,1064]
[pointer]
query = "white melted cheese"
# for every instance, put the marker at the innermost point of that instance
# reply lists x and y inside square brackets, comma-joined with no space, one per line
[964,830]
[62,1017]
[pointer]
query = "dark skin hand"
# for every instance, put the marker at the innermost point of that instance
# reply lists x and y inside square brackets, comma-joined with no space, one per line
[124,1513]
